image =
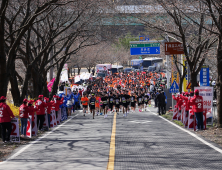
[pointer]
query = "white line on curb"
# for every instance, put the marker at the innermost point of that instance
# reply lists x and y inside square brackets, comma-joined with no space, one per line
[194,135]
[27,146]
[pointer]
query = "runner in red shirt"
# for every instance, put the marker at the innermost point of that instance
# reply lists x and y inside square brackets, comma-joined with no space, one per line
[197,103]
[5,120]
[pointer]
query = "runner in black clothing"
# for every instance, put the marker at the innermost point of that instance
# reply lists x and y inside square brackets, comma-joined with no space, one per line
[92,102]
[111,99]
[117,102]
[133,100]
[146,100]
[123,100]
[104,101]
[139,100]
[127,101]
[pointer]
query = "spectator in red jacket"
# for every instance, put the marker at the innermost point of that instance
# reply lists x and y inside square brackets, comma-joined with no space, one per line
[49,107]
[40,105]
[32,110]
[5,120]
[58,102]
[197,103]
[176,98]
[24,115]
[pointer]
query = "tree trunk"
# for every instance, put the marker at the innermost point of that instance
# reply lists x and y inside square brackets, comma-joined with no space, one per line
[4,77]
[219,83]
[45,90]
[15,90]
[79,69]
[56,82]
[89,69]
[193,80]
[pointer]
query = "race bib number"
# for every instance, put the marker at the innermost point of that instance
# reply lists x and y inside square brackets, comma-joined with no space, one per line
[132,99]
[111,100]
[92,103]
[124,100]
[117,101]
[1,113]
[140,100]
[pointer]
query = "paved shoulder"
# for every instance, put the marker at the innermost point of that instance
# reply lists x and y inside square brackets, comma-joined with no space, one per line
[145,141]
[81,143]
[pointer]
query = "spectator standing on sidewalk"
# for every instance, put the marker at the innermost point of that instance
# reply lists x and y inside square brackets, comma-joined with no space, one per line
[24,115]
[5,120]
[197,102]
[40,105]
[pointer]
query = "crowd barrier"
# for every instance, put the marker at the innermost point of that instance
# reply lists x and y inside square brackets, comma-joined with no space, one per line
[189,120]
[32,128]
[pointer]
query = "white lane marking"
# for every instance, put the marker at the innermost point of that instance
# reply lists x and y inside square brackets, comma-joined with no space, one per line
[140,121]
[194,135]
[152,112]
[27,146]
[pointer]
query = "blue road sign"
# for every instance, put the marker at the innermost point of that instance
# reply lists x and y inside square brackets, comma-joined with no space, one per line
[204,76]
[147,38]
[145,50]
[174,88]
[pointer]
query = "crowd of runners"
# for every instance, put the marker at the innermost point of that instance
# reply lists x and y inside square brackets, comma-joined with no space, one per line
[120,92]
[123,92]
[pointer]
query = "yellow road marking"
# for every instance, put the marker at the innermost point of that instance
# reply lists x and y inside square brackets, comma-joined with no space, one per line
[110,165]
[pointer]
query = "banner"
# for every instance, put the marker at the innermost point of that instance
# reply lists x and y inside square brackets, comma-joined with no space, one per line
[185,80]
[15,130]
[54,118]
[204,76]
[34,126]
[50,84]
[207,94]
[59,116]
[29,127]
[51,119]
[64,74]
[46,122]
[174,72]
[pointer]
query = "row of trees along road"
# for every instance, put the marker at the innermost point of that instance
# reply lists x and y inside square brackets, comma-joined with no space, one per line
[198,25]
[38,35]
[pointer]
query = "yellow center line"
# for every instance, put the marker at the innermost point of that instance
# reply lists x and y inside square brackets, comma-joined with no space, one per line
[110,165]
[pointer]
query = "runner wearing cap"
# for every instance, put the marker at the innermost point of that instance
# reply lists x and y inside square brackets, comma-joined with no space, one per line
[5,120]
[92,102]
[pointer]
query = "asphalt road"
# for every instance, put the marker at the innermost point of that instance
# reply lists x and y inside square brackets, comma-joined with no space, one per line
[142,141]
